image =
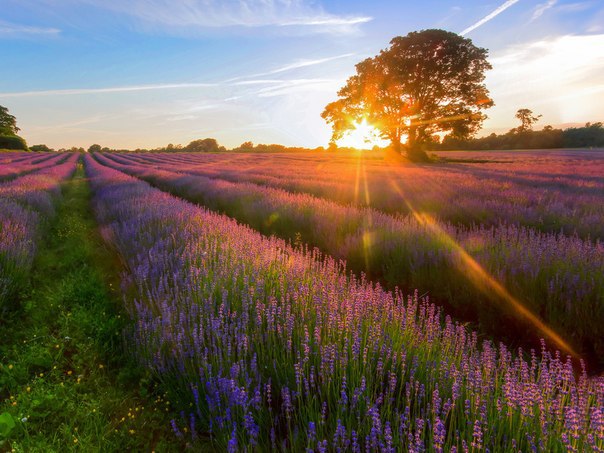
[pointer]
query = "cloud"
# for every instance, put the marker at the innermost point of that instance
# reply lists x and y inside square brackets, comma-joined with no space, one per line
[286,87]
[8,29]
[121,89]
[541,8]
[561,75]
[304,63]
[490,16]
[194,15]
[241,81]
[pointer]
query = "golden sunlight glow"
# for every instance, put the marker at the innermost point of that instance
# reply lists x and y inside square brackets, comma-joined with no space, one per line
[363,136]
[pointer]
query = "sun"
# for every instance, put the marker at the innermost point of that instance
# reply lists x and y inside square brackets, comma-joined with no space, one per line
[363,136]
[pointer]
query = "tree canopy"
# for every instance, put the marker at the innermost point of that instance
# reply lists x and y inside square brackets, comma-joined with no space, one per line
[527,119]
[205,145]
[8,123]
[8,131]
[426,82]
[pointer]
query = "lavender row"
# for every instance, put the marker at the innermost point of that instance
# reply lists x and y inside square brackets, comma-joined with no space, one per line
[271,347]
[26,204]
[549,193]
[19,165]
[556,277]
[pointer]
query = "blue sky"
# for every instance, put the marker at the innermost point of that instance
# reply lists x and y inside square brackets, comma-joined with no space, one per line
[144,73]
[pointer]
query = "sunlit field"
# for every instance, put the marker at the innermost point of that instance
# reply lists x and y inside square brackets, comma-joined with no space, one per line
[293,351]
[325,302]
[302,226]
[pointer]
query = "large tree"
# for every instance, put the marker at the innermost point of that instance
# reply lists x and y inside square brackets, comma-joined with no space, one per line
[8,123]
[426,82]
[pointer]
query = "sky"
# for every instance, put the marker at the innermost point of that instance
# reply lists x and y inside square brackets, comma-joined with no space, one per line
[145,73]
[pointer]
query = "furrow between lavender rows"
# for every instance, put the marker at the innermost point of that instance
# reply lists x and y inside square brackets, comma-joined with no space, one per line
[27,203]
[494,276]
[269,346]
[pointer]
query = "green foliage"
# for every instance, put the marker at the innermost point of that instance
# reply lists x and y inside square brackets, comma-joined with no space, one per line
[95,148]
[206,145]
[41,148]
[591,135]
[12,142]
[426,82]
[8,123]
[7,424]
[581,137]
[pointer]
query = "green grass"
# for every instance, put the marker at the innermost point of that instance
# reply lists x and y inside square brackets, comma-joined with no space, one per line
[66,380]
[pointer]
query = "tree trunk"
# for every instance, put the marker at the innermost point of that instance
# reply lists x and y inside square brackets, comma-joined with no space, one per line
[415,152]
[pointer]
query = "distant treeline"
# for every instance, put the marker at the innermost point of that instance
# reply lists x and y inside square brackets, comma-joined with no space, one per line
[205,145]
[591,135]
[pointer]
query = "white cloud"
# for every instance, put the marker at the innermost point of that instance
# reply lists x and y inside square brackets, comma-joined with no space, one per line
[273,84]
[490,16]
[541,8]
[304,63]
[121,89]
[191,15]
[560,78]
[11,30]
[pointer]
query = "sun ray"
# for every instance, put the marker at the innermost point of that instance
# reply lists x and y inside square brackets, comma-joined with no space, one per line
[482,279]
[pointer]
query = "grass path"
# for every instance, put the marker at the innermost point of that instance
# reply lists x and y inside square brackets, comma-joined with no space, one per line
[66,381]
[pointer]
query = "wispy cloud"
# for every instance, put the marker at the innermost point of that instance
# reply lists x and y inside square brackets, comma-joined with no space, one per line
[286,87]
[121,89]
[241,81]
[271,86]
[327,21]
[305,63]
[299,64]
[196,15]
[11,30]
[490,16]
[541,8]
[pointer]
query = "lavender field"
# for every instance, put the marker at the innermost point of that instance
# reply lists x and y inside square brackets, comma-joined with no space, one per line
[321,302]
[26,202]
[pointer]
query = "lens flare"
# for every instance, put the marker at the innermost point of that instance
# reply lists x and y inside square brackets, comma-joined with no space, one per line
[482,280]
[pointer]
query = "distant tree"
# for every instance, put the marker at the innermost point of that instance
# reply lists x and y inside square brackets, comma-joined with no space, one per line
[41,148]
[95,148]
[425,82]
[246,145]
[206,145]
[8,123]
[527,120]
